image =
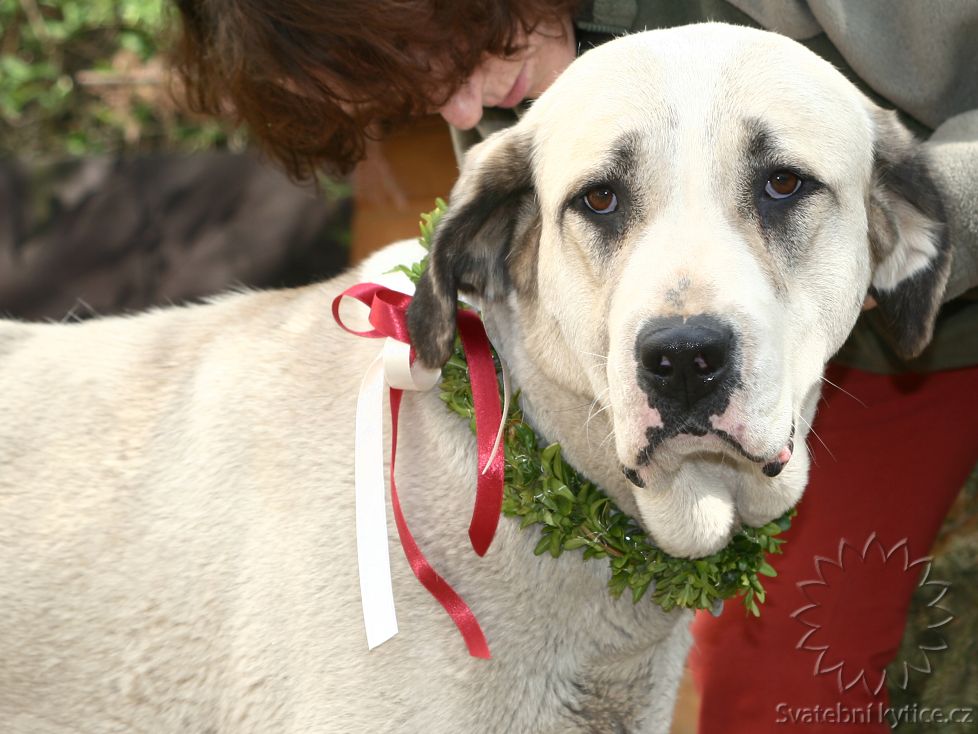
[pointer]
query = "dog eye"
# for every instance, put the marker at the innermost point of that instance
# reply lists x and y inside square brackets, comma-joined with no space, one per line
[782,184]
[601,200]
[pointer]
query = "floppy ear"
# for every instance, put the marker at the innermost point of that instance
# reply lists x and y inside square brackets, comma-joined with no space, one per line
[491,210]
[908,235]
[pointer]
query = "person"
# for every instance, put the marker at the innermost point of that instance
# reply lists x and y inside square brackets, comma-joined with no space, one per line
[894,440]
[313,81]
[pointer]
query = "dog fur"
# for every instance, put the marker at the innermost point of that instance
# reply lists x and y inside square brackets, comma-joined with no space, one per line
[177,547]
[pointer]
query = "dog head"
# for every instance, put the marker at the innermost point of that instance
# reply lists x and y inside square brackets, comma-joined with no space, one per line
[680,233]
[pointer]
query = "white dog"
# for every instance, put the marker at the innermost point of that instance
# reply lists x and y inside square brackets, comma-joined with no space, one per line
[674,240]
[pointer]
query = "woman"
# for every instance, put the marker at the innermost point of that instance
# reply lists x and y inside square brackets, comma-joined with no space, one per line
[313,80]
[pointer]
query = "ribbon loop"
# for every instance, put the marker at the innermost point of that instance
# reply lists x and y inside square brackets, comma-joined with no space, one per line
[402,373]
[388,311]
[388,314]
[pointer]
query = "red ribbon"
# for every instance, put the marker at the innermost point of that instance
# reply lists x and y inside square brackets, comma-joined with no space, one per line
[388,316]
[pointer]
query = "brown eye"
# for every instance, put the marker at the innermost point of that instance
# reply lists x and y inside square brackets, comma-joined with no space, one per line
[782,184]
[601,200]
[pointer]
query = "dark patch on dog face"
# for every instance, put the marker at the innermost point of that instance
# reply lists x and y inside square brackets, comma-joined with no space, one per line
[676,297]
[784,223]
[681,413]
[616,175]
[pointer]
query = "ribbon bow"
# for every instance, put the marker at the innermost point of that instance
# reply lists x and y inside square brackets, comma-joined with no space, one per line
[388,316]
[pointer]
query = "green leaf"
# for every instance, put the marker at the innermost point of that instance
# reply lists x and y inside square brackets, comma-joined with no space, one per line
[639,591]
[564,491]
[575,542]
[555,544]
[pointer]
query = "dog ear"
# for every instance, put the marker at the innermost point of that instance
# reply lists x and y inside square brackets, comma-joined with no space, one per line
[908,236]
[492,207]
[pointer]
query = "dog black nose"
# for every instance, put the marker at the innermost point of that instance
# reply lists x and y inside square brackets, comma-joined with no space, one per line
[684,360]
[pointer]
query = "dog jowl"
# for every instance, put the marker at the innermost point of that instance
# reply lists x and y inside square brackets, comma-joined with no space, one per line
[671,252]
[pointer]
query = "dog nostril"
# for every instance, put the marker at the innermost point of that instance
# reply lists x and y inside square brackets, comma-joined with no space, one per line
[663,368]
[706,364]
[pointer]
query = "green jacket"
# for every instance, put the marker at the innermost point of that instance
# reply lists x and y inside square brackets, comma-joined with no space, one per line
[919,58]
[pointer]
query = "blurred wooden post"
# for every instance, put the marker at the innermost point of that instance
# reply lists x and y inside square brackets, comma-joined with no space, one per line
[399,180]
[685,718]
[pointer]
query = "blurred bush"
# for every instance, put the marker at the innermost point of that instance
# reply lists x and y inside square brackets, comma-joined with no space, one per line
[88,76]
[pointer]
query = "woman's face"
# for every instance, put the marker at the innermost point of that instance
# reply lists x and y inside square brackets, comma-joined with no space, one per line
[506,81]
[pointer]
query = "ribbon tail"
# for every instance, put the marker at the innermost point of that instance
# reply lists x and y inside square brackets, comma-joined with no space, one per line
[500,434]
[488,419]
[373,556]
[458,610]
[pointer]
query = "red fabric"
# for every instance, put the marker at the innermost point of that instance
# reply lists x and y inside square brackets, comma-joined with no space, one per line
[892,454]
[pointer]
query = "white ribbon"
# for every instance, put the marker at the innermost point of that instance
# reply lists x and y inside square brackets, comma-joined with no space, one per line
[401,374]
[391,366]
[373,558]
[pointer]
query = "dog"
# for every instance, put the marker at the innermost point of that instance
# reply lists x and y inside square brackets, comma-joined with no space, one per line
[667,248]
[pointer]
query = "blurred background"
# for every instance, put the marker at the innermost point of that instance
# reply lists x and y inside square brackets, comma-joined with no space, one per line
[112,199]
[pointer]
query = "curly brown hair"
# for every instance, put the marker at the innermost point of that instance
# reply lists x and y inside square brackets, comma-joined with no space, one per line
[312,79]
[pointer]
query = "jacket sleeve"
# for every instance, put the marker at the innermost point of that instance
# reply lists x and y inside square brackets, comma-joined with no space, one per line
[954,150]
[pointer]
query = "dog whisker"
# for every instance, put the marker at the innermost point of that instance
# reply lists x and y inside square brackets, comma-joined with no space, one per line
[572,408]
[812,430]
[591,415]
[841,389]
[598,412]
[589,405]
